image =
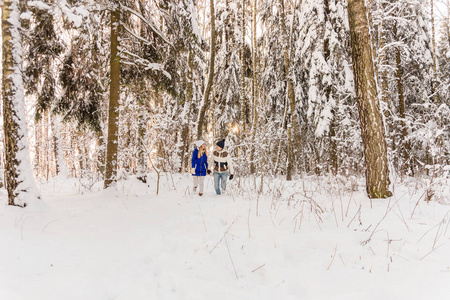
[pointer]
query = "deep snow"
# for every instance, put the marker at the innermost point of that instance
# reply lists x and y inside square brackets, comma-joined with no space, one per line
[312,238]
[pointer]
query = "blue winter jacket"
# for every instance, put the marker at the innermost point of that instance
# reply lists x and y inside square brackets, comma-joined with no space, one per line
[200,164]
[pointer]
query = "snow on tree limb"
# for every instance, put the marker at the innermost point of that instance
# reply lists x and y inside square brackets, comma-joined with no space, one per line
[148,22]
[144,62]
[147,42]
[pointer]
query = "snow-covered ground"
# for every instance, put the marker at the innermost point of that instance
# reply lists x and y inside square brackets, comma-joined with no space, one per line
[312,238]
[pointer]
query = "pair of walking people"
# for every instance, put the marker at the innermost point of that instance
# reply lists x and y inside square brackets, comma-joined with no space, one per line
[221,166]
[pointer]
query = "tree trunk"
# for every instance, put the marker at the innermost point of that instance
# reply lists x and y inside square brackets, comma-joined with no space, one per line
[433,32]
[18,172]
[332,127]
[371,32]
[401,101]
[142,143]
[142,123]
[61,168]
[37,148]
[206,101]
[292,136]
[54,146]
[372,127]
[254,106]
[244,118]
[225,35]
[47,145]
[333,148]
[280,144]
[384,74]
[439,121]
[113,112]
[186,134]
[290,154]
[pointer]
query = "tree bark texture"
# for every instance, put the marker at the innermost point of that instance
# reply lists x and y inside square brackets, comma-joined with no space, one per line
[332,127]
[185,134]
[383,75]
[113,111]
[206,101]
[142,123]
[18,172]
[254,87]
[401,109]
[371,122]
[293,140]
[244,117]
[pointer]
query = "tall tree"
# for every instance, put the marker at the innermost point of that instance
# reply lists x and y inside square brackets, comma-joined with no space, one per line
[254,89]
[401,109]
[227,80]
[405,64]
[114,95]
[41,62]
[273,83]
[371,122]
[206,100]
[18,174]
[244,118]
[320,66]
[293,128]
[433,47]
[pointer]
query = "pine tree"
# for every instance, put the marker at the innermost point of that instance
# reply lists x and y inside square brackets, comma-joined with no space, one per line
[44,48]
[372,128]
[273,85]
[114,95]
[406,76]
[228,76]
[321,70]
[293,128]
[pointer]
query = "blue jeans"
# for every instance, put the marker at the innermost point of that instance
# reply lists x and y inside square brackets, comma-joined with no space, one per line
[220,177]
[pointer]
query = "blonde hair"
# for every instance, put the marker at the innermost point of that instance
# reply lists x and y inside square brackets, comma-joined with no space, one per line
[201,151]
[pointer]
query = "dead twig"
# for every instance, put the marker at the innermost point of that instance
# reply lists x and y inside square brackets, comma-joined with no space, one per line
[332,259]
[45,227]
[203,218]
[229,254]
[225,233]
[258,268]
[388,209]
[359,210]
[432,250]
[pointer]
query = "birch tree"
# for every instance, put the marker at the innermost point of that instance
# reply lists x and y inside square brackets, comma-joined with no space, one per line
[18,173]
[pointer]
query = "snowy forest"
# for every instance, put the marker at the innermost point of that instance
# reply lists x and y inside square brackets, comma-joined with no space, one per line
[125,87]
[331,110]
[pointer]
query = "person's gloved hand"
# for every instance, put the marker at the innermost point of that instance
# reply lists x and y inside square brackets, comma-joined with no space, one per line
[208,172]
[192,170]
[231,177]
